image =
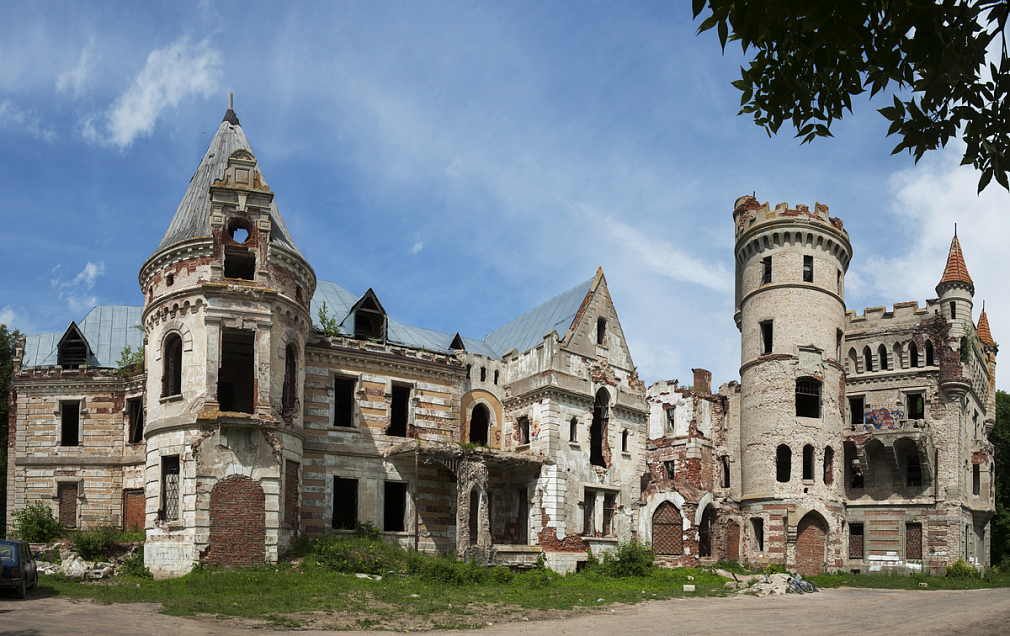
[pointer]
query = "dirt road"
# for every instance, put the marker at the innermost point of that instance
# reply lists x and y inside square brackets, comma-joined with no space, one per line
[845,611]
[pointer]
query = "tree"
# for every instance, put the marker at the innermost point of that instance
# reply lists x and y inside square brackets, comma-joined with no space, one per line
[8,339]
[1000,438]
[811,58]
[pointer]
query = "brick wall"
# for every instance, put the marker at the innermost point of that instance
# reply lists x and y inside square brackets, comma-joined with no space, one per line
[237,523]
[68,505]
[810,535]
[291,494]
[133,510]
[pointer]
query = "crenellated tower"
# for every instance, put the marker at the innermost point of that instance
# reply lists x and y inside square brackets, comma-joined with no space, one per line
[227,319]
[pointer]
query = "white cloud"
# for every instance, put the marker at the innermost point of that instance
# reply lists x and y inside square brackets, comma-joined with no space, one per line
[76,77]
[13,117]
[417,248]
[77,291]
[171,74]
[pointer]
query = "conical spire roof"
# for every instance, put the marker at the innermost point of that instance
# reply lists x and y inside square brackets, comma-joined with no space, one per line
[192,219]
[956,271]
[984,335]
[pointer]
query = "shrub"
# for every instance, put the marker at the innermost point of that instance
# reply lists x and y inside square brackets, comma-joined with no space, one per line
[91,545]
[367,530]
[35,523]
[774,568]
[351,555]
[133,565]
[961,570]
[630,559]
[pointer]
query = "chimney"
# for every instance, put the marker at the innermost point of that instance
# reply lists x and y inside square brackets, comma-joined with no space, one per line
[702,381]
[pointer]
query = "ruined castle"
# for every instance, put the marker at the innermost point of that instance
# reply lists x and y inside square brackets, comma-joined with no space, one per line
[271,404]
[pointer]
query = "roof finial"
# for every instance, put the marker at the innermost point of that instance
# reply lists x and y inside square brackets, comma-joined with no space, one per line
[955,226]
[231,106]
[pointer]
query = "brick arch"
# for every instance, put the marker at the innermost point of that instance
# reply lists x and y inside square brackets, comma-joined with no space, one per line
[811,538]
[237,523]
[667,529]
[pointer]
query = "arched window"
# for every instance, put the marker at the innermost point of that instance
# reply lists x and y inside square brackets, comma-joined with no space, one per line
[898,358]
[667,530]
[725,471]
[290,378]
[913,355]
[829,465]
[808,462]
[882,355]
[867,360]
[573,430]
[624,441]
[783,463]
[598,430]
[808,397]
[929,353]
[479,420]
[171,357]
[853,361]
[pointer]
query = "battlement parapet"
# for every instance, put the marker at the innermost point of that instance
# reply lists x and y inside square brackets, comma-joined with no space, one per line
[747,213]
[900,314]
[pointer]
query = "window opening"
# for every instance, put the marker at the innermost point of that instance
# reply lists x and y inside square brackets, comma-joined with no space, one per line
[298,292]
[601,330]
[882,355]
[170,487]
[929,353]
[783,463]
[524,431]
[725,471]
[976,479]
[588,514]
[867,359]
[290,389]
[766,270]
[479,420]
[239,263]
[369,320]
[238,230]
[838,277]
[135,413]
[399,411]
[671,420]
[857,475]
[808,398]
[916,407]
[67,494]
[953,310]
[705,533]
[394,506]
[345,503]
[609,500]
[913,471]
[235,378]
[808,269]
[913,355]
[913,541]
[766,337]
[469,369]
[170,280]
[523,516]
[808,462]
[838,344]
[624,441]
[856,410]
[483,374]
[855,541]
[171,377]
[670,468]
[474,516]
[829,464]
[759,533]
[343,401]
[598,431]
[70,423]
[573,430]
[496,376]
[73,351]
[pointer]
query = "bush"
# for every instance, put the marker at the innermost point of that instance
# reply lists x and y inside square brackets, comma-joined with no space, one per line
[774,568]
[630,559]
[351,555]
[133,565]
[35,523]
[961,570]
[91,545]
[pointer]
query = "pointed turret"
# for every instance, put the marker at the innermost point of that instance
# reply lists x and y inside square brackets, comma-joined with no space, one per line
[956,289]
[984,334]
[955,271]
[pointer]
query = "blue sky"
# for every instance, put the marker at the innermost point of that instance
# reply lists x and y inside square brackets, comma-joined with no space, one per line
[466,160]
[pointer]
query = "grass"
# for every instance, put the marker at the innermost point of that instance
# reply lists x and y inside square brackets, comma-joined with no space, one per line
[911,582]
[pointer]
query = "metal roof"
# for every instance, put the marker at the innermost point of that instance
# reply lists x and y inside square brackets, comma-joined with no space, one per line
[528,330]
[107,328]
[192,219]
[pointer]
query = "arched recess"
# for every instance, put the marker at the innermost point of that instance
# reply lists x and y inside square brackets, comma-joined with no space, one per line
[468,403]
[667,530]
[811,544]
[853,361]
[480,424]
[706,532]
[599,448]
[237,523]
[474,516]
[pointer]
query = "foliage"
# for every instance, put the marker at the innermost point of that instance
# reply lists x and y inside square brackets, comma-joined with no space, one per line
[968,342]
[133,565]
[36,523]
[774,568]
[991,579]
[367,530]
[811,58]
[92,545]
[961,570]
[1000,524]
[352,555]
[128,361]
[733,567]
[330,326]
[629,559]
[8,340]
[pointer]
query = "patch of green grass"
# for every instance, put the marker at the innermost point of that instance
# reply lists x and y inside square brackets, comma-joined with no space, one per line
[911,581]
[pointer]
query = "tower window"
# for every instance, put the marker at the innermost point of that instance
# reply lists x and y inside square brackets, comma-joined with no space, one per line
[766,337]
[483,374]
[808,462]
[953,310]
[766,270]
[170,487]
[839,281]
[343,402]
[783,463]
[808,398]
[808,269]
[239,263]
[976,479]
[399,411]
[135,412]
[170,280]
[867,359]
[913,355]
[171,377]
[235,379]
[496,376]
[479,420]
[624,441]
[70,423]
[601,330]
[290,389]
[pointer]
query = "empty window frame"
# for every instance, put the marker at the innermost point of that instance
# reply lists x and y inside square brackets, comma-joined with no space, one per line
[70,423]
[855,541]
[856,410]
[496,376]
[867,360]
[343,401]
[783,463]
[135,415]
[953,310]
[808,462]
[976,479]
[913,355]
[829,465]
[766,270]
[913,471]
[598,430]
[916,408]
[483,374]
[766,337]
[758,526]
[929,353]
[239,263]
[479,425]
[624,441]
[170,488]
[601,330]
[369,320]
[725,472]
[345,504]
[589,514]
[609,503]
[289,391]
[524,430]
[573,430]
[882,356]
[236,378]
[671,421]
[808,398]
[394,506]
[670,468]
[808,269]
[838,276]
[399,411]
[171,360]
[856,477]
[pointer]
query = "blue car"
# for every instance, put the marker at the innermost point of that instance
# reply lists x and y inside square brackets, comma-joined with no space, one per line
[19,570]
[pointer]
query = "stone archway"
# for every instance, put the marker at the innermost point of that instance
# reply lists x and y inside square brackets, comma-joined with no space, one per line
[237,523]
[667,530]
[811,538]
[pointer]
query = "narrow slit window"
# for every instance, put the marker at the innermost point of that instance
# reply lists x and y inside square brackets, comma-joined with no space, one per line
[725,472]
[573,430]
[976,479]
[399,411]
[808,462]
[913,355]
[624,441]
[483,374]
[524,431]
[496,376]
[829,465]
[598,430]
[759,533]
[867,360]
[808,269]
[588,514]
[882,356]
[343,402]
[953,310]
[601,330]
[766,270]
[609,501]
[290,389]
[135,414]
[171,377]
[766,337]
[70,424]
[929,353]
[783,463]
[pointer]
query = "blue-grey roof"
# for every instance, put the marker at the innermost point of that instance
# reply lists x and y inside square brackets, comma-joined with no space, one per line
[107,328]
[528,330]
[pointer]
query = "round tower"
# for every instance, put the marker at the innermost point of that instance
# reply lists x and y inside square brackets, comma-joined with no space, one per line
[790,309]
[227,318]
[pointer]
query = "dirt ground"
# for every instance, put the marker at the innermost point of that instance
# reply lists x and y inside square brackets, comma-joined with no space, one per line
[841,611]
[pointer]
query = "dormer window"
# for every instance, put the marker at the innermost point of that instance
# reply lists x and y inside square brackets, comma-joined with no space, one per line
[73,349]
[369,318]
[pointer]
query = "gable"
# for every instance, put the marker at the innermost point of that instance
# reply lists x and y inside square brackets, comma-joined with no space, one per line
[597,314]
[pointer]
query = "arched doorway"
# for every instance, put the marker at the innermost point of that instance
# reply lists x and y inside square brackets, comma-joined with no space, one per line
[811,537]
[706,532]
[667,530]
[237,523]
[479,419]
